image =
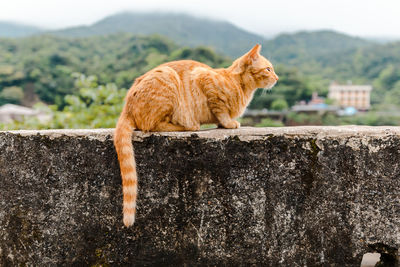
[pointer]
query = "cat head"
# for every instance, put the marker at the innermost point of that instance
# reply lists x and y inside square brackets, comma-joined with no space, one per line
[255,69]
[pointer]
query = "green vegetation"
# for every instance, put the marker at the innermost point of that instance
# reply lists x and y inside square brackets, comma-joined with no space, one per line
[279,104]
[373,119]
[269,123]
[370,118]
[292,87]
[43,65]
[325,56]
[304,119]
[94,106]
[299,48]
[12,94]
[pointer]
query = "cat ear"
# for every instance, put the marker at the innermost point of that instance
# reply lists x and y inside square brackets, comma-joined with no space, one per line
[254,52]
[238,66]
[247,59]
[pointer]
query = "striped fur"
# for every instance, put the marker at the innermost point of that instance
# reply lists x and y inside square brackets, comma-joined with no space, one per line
[180,96]
[123,145]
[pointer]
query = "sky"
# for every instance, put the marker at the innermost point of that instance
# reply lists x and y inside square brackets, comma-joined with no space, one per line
[365,18]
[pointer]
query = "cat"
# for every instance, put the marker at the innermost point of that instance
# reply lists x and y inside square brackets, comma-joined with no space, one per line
[180,96]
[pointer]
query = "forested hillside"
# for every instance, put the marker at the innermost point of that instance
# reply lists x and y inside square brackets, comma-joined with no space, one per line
[41,67]
[296,48]
[328,56]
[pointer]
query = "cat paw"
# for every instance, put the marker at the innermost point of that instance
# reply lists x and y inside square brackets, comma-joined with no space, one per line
[193,128]
[232,124]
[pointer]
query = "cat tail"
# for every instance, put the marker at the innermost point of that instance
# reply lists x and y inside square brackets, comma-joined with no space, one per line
[123,145]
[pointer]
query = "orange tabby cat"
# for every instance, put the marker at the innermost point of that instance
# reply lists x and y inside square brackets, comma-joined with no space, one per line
[180,96]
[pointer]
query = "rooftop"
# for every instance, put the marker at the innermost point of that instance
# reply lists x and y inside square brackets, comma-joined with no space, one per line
[349,87]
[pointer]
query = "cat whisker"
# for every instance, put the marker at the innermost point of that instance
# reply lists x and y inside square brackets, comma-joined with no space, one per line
[264,92]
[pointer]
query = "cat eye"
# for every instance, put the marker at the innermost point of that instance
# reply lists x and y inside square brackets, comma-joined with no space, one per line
[268,69]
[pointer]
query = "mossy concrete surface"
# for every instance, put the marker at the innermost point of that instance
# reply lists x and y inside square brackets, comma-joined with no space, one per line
[297,196]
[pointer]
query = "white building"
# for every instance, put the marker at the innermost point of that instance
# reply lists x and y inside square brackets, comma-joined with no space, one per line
[11,112]
[349,95]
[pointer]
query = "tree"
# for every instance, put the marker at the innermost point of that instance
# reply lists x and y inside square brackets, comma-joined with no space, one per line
[94,106]
[13,94]
[393,96]
[279,104]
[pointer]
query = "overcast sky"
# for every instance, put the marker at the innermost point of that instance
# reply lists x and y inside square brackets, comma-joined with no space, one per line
[377,18]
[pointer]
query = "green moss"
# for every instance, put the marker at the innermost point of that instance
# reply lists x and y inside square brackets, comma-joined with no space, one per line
[98,253]
[314,148]
[101,258]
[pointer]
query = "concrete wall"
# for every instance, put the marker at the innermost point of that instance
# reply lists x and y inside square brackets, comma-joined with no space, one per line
[271,196]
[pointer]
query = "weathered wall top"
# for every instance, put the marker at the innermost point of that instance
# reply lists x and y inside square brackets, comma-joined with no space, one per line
[275,196]
[331,131]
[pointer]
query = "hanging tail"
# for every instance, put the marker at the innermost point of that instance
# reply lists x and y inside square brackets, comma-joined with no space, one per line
[126,158]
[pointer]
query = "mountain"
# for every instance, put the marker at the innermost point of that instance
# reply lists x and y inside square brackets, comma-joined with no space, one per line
[293,49]
[384,39]
[10,29]
[183,29]
[222,36]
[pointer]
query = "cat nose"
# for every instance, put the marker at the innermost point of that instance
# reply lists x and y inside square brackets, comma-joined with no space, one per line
[276,77]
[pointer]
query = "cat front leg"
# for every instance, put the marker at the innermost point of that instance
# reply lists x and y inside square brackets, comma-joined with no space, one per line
[227,122]
[217,103]
[221,112]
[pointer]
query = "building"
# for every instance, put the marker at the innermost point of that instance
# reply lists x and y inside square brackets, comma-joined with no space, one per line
[316,105]
[349,95]
[320,109]
[10,112]
[316,100]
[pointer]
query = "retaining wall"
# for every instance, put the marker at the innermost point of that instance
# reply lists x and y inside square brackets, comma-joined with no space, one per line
[296,196]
